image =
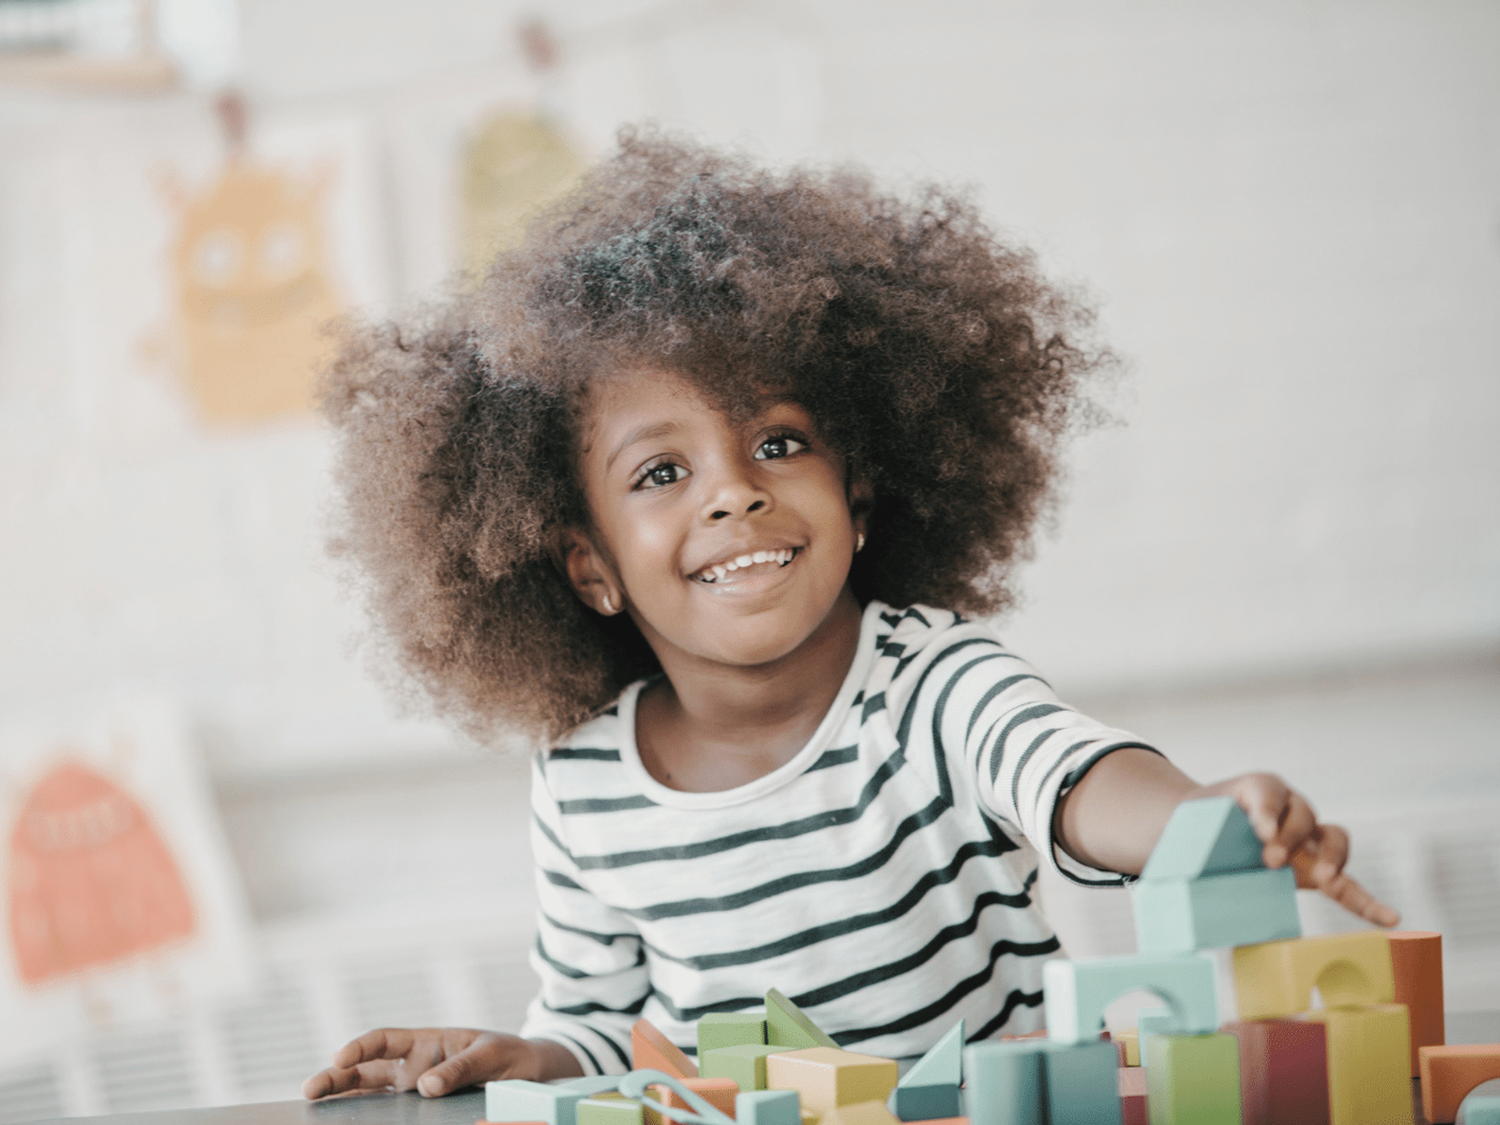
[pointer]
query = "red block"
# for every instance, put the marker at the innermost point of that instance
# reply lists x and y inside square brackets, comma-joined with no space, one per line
[1132,1085]
[1417,961]
[1283,1071]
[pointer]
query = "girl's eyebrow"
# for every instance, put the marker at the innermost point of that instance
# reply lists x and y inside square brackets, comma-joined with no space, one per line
[649,432]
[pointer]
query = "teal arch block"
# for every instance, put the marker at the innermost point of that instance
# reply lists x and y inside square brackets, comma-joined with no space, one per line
[1211,836]
[926,1103]
[1077,992]
[1481,1105]
[768,1107]
[1243,908]
[941,1066]
[515,1099]
[1194,1080]
[1041,1082]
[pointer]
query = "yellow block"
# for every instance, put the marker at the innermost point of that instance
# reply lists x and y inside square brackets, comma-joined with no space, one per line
[1132,1040]
[1369,1054]
[826,1077]
[864,1113]
[1276,978]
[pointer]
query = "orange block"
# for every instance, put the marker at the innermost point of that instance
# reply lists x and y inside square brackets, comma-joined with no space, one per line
[651,1050]
[1417,961]
[1132,1085]
[717,1092]
[1449,1073]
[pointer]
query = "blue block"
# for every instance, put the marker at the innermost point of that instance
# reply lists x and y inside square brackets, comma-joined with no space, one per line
[515,1099]
[1077,992]
[926,1103]
[1211,836]
[768,1107]
[1151,1021]
[1243,908]
[1042,1082]
[941,1066]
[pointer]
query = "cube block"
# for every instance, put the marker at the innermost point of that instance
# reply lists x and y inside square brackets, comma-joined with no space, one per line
[1277,977]
[1042,1082]
[1184,915]
[789,1026]
[1077,992]
[926,1103]
[1417,965]
[514,1099]
[1283,1071]
[1193,1079]
[859,1113]
[1368,1058]
[767,1107]
[1450,1072]
[730,1029]
[745,1063]
[826,1077]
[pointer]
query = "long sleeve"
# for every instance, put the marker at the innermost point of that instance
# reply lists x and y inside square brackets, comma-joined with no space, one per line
[589,956]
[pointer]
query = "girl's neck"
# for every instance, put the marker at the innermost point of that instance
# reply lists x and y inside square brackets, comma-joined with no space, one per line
[707,728]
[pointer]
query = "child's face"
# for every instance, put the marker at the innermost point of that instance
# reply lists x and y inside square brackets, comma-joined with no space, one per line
[730,542]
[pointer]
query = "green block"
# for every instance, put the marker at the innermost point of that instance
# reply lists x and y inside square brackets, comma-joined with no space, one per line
[1242,908]
[926,1103]
[609,1111]
[1042,1082]
[788,1027]
[730,1029]
[515,1099]
[1194,1080]
[1151,1021]
[1077,992]
[767,1107]
[744,1062]
[1211,836]
[941,1066]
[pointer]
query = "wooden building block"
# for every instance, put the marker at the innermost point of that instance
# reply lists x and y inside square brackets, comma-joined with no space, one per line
[1149,1022]
[788,1025]
[1193,1079]
[767,1107]
[1131,1082]
[591,1085]
[1184,915]
[730,1029]
[1481,1106]
[825,1077]
[515,1099]
[1283,1071]
[926,1103]
[1450,1072]
[1077,992]
[1211,836]
[719,1093]
[1417,964]
[941,1066]
[609,1110]
[1368,1049]
[1129,1040]
[745,1063]
[1041,1082]
[859,1113]
[651,1050]
[1277,978]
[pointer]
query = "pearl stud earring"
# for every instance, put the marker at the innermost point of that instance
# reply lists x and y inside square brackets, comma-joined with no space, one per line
[859,542]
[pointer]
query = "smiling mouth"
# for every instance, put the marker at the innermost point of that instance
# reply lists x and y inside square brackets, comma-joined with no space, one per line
[768,560]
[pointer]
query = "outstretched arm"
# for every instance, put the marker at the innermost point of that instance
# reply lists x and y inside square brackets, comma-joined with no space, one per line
[438,1060]
[1113,817]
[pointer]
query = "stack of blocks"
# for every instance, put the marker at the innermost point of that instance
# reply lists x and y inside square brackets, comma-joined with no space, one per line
[1205,886]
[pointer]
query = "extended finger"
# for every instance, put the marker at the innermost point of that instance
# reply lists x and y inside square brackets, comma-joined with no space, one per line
[1348,893]
[382,1043]
[1298,828]
[481,1061]
[342,1079]
[1322,857]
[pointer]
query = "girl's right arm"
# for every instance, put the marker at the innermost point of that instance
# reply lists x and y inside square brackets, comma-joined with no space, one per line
[438,1060]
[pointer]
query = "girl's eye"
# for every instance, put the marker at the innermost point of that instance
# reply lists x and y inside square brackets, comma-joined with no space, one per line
[782,445]
[659,476]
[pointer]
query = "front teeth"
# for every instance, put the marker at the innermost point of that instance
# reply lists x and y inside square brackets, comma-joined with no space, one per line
[719,570]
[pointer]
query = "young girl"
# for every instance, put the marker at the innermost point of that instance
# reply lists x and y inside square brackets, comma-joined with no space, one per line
[706,484]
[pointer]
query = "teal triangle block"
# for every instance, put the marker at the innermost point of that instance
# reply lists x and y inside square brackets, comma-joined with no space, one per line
[941,1066]
[1211,836]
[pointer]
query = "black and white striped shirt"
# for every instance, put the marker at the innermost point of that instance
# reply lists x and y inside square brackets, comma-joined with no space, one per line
[882,878]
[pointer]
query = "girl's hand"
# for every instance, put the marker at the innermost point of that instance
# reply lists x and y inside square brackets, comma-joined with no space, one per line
[1289,829]
[437,1060]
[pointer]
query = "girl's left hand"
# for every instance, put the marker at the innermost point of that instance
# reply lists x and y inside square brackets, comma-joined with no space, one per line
[1291,833]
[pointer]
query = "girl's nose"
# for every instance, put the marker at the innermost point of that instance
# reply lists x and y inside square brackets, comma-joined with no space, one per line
[736,494]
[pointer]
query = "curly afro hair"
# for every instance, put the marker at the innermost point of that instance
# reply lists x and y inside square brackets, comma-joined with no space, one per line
[933,355]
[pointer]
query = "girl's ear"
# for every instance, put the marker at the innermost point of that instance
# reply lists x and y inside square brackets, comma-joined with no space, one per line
[861,501]
[587,572]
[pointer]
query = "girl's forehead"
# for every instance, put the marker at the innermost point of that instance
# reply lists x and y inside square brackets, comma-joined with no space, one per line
[617,396]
